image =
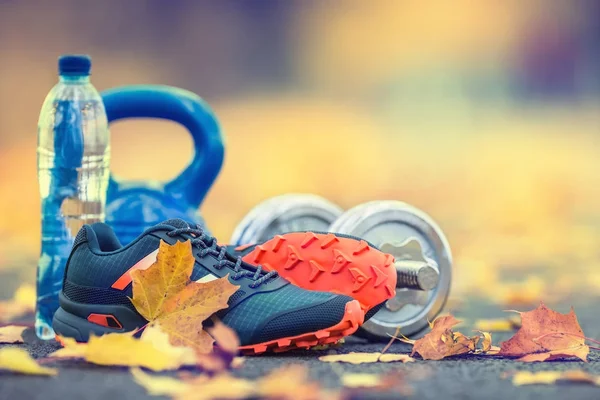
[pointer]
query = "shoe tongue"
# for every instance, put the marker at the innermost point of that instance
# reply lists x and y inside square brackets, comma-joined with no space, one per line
[176,223]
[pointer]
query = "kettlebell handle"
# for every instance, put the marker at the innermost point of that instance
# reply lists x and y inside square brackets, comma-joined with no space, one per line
[185,108]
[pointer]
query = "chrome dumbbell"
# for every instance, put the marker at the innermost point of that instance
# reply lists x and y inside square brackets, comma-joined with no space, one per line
[422,255]
[423,262]
[283,214]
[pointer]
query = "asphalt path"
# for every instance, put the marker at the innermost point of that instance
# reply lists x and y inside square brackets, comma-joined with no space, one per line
[470,377]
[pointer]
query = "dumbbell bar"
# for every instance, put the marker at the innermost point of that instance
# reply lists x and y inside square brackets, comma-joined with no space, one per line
[422,254]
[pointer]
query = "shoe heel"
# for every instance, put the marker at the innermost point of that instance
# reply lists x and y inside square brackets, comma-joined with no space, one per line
[79,321]
[69,325]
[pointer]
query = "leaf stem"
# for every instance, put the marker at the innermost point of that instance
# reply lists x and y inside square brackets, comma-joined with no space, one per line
[387,346]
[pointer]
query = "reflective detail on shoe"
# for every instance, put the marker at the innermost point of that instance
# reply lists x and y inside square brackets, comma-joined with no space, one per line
[125,279]
[105,320]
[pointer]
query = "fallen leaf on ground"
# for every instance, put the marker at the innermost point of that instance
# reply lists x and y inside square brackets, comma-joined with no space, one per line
[70,349]
[498,324]
[457,343]
[160,340]
[11,334]
[225,337]
[225,351]
[546,335]
[551,377]
[291,383]
[287,383]
[164,294]
[18,360]
[158,385]
[361,380]
[493,351]
[364,358]
[361,384]
[22,303]
[440,341]
[125,350]
[222,386]
[486,343]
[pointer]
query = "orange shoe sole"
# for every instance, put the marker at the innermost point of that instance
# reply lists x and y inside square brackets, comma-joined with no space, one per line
[329,263]
[353,318]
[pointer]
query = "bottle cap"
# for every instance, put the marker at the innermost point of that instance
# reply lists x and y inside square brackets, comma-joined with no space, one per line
[74,64]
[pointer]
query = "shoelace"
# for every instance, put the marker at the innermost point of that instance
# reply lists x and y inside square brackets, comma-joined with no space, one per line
[208,245]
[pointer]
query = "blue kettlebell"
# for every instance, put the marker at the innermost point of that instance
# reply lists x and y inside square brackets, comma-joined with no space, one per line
[132,207]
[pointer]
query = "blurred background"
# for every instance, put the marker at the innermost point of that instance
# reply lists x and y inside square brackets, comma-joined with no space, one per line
[485,114]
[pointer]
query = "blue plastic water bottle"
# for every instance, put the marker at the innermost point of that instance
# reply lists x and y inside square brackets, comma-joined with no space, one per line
[73,168]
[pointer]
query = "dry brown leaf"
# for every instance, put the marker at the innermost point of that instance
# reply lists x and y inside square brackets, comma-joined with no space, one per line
[164,294]
[458,343]
[440,343]
[11,334]
[225,337]
[22,303]
[227,344]
[580,352]
[551,377]
[125,350]
[486,343]
[365,358]
[546,335]
[18,360]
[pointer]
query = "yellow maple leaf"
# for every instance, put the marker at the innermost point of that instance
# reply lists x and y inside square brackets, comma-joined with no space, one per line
[11,334]
[125,350]
[160,340]
[366,358]
[164,294]
[18,360]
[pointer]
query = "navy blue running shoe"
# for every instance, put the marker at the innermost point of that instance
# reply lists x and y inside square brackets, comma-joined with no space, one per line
[267,312]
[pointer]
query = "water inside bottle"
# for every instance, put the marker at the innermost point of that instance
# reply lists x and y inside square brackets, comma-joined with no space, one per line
[73,168]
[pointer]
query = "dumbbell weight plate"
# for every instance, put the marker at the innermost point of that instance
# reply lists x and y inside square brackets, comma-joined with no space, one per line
[381,222]
[285,213]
